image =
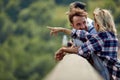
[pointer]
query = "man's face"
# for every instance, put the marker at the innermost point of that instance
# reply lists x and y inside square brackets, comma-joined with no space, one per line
[79,23]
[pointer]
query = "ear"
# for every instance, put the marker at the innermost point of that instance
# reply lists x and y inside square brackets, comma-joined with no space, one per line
[98,27]
[71,24]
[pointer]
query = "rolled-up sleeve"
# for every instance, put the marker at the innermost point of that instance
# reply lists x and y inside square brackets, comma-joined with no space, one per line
[79,34]
[93,43]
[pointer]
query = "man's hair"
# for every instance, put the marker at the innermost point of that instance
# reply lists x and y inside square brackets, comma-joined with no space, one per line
[78,4]
[76,12]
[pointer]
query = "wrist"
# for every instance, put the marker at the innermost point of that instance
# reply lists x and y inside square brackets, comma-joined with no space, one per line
[70,50]
[63,29]
[63,49]
[76,50]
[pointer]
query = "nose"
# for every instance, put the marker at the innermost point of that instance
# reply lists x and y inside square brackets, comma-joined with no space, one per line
[82,27]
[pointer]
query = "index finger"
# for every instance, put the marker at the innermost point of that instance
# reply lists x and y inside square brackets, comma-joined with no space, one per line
[49,27]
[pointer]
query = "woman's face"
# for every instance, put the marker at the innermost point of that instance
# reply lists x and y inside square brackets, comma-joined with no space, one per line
[95,24]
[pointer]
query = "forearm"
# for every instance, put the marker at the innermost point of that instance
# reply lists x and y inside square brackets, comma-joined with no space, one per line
[62,52]
[79,34]
[67,31]
[71,50]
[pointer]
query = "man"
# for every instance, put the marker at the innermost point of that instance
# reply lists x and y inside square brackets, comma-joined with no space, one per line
[89,25]
[81,5]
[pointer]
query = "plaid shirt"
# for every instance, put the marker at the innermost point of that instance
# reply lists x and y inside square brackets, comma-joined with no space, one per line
[105,44]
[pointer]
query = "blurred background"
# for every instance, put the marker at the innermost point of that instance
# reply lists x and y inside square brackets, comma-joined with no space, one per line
[26,47]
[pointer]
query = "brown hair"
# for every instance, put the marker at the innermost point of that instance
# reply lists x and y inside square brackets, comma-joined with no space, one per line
[76,12]
[77,5]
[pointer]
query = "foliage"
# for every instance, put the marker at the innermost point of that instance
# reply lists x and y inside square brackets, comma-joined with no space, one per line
[26,47]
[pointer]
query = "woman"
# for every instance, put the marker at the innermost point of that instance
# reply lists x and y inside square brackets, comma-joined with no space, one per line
[104,43]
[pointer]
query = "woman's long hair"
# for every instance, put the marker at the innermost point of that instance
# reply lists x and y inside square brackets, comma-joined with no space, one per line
[104,20]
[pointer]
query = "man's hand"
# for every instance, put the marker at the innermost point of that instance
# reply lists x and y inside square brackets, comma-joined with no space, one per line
[59,54]
[62,51]
[55,30]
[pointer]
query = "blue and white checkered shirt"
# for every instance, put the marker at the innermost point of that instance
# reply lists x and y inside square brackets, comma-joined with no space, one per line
[104,44]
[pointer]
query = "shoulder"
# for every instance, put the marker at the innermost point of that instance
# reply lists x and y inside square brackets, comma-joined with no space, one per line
[90,22]
[106,35]
[102,34]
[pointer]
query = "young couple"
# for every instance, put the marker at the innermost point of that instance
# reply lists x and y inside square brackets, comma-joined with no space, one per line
[99,38]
